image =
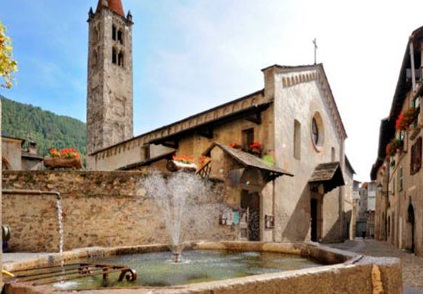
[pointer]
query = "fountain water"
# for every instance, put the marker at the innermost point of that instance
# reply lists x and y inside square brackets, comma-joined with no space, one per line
[61,233]
[177,195]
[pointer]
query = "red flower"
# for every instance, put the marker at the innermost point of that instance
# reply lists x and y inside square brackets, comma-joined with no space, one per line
[255,145]
[406,118]
[183,159]
[235,146]
[64,153]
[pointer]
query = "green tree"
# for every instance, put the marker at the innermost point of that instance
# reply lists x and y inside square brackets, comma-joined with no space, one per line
[7,65]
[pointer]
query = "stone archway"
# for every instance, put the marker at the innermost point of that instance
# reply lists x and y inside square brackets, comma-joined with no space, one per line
[251,201]
[411,221]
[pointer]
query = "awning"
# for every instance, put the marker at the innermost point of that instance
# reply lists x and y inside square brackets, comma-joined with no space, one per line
[329,174]
[248,160]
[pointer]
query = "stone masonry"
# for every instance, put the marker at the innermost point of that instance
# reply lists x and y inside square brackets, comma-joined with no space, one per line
[99,209]
[110,90]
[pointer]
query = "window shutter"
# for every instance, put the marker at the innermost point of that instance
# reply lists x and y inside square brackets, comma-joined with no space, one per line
[413,159]
[418,156]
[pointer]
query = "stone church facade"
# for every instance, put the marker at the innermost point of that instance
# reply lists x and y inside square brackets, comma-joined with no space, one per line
[295,187]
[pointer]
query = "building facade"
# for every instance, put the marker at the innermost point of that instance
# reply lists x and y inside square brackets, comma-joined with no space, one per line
[294,184]
[20,154]
[397,170]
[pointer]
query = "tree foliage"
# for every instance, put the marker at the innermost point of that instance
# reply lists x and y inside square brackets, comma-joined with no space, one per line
[7,65]
[45,128]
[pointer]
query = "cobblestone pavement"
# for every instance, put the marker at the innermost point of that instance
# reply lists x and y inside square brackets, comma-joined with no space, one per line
[412,266]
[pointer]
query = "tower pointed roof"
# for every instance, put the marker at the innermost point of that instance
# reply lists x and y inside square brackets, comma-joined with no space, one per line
[113,5]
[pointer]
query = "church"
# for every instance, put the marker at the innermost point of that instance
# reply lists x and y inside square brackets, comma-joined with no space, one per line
[279,151]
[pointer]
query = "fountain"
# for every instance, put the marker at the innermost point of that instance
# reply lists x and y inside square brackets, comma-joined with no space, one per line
[176,195]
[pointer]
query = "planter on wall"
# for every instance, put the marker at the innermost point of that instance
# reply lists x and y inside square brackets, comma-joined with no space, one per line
[57,162]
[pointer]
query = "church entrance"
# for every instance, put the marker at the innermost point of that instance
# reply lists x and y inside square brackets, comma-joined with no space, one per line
[251,203]
[316,219]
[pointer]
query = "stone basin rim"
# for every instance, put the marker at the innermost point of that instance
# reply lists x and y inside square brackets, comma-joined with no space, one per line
[332,260]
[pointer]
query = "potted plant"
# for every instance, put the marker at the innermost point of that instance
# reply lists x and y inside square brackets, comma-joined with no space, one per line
[255,148]
[406,118]
[63,158]
[181,162]
[393,147]
[236,146]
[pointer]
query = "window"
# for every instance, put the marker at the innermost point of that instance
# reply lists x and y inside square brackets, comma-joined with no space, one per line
[332,154]
[120,37]
[416,156]
[114,34]
[297,140]
[400,179]
[314,132]
[114,56]
[120,59]
[247,137]
[317,131]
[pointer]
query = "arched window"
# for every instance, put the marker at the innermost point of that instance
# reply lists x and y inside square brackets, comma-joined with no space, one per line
[114,56]
[297,139]
[121,59]
[120,36]
[114,34]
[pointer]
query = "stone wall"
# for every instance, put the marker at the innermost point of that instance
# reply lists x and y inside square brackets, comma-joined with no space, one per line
[99,209]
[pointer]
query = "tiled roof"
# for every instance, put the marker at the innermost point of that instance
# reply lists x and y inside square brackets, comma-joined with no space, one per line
[114,5]
[329,174]
[247,159]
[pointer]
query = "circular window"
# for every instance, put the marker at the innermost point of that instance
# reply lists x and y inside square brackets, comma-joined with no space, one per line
[317,131]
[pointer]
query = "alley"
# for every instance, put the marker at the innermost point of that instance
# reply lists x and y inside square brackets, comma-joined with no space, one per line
[412,266]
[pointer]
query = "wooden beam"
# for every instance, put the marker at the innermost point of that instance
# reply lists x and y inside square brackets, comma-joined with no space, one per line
[171,144]
[255,118]
[206,132]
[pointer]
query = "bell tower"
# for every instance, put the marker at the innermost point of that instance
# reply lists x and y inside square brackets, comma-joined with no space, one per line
[109,93]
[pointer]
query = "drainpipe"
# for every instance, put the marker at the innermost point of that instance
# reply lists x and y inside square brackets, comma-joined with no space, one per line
[413,73]
[32,192]
[273,211]
[388,170]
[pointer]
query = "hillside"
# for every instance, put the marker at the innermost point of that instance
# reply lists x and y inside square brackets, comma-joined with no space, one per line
[45,128]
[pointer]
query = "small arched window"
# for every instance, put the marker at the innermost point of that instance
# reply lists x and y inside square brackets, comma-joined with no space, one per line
[297,139]
[121,59]
[120,36]
[114,56]
[114,32]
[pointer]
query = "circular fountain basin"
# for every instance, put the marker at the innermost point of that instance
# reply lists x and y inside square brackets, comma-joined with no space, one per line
[226,267]
[158,269]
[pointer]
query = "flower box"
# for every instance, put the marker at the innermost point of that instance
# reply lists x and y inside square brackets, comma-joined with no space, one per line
[59,162]
[407,118]
[174,165]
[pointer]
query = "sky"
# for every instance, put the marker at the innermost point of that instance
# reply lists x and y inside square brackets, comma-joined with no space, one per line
[192,55]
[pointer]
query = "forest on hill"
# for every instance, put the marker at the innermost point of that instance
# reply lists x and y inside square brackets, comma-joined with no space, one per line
[46,129]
